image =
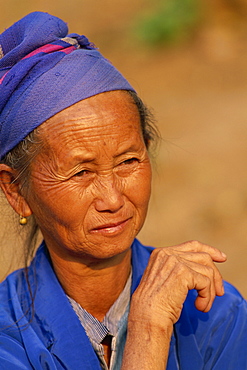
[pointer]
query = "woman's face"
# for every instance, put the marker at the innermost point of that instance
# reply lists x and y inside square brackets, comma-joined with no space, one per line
[90,184]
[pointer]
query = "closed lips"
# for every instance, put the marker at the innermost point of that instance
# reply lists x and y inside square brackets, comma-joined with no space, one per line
[110,225]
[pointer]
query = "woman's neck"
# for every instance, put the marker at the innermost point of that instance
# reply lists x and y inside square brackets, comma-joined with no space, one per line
[95,286]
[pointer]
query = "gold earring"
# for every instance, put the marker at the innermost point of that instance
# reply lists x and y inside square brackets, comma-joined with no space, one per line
[22,220]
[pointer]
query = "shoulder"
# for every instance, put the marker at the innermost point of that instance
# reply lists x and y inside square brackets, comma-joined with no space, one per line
[10,309]
[10,291]
[230,305]
[220,336]
[231,301]
[16,293]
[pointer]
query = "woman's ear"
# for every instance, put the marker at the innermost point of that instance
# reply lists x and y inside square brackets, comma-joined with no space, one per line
[11,189]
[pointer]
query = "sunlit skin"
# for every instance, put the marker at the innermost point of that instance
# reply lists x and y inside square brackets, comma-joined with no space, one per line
[90,185]
[89,191]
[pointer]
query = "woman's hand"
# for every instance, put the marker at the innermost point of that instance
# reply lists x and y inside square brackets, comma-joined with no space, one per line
[157,302]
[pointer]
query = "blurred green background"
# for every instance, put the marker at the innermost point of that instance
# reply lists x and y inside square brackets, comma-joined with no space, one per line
[188,60]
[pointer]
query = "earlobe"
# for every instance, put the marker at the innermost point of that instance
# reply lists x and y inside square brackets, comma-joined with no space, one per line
[11,190]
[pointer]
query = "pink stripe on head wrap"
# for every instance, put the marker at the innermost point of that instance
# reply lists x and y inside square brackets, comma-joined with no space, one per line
[43,71]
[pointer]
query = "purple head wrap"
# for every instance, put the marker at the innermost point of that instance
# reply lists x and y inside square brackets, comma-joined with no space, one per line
[43,70]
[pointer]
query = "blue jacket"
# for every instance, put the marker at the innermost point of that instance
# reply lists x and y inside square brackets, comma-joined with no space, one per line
[50,336]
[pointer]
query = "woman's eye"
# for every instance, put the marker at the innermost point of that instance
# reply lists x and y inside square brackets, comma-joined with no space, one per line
[130,161]
[81,173]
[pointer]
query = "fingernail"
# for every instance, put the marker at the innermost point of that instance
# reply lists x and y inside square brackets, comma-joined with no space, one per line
[223,255]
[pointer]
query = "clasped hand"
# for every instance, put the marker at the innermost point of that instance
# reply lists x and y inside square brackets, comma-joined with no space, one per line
[170,274]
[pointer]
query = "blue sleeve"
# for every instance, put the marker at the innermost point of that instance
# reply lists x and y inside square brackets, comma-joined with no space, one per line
[12,354]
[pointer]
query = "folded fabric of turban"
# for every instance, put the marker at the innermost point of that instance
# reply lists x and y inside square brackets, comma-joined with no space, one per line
[43,70]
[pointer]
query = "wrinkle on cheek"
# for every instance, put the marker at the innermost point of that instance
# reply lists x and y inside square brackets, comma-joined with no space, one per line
[47,168]
[46,175]
[47,189]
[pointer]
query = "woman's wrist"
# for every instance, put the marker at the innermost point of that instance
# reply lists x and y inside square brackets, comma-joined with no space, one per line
[147,345]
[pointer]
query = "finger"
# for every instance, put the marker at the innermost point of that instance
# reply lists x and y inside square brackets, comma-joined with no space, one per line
[195,246]
[184,273]
[195,260]
[188,279]
[205,297]
[200,262]
[160,255]
[207,272]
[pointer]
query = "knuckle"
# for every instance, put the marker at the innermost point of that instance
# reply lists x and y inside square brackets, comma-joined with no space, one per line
[173,257]
[168,250]
[208,272]
[211,272]
[206,257]
[159,253]
[181,269]
[207,282]
[194,244]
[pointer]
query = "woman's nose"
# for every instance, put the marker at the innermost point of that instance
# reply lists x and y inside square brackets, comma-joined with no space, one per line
[109,196]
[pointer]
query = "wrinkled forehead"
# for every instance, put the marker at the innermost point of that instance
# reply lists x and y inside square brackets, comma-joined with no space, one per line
[108,120]
[98,114]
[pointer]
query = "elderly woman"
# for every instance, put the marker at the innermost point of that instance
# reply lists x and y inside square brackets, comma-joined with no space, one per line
[74,154]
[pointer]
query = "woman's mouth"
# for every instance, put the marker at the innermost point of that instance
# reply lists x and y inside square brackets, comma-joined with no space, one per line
[111,228]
